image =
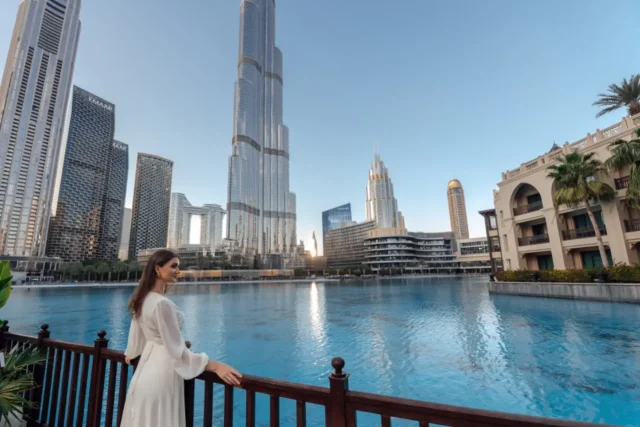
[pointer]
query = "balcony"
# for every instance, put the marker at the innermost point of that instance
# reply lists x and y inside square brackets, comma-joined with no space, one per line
[632,225]
[533,240]
[581,233]
[622,183]
[527,208]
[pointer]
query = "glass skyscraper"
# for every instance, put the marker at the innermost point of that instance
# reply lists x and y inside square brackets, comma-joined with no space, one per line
[151,200]
[34,94]
[332,219]
[88,217]
[261,209]
[382,206]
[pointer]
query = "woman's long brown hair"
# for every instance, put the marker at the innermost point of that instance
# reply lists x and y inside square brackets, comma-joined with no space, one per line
[148,280]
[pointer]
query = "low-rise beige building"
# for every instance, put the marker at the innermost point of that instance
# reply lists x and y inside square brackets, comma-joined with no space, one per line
[536,235]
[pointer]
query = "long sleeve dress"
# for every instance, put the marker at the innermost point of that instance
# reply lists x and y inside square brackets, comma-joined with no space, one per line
[156,393]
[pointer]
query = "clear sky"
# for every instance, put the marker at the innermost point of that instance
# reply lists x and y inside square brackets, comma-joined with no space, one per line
[450,89]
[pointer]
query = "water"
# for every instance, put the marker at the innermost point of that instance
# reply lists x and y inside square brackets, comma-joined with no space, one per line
[441,340]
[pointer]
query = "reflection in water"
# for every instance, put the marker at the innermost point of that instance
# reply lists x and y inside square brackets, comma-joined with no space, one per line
[438,339]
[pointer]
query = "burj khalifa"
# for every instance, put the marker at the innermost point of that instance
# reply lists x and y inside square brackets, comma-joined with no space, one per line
[261,210]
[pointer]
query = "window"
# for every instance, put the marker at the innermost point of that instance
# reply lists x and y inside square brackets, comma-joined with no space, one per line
[545,262]
[534,198]
[493,223]
[538,230]
[592,259]
[495,244]
[582,221]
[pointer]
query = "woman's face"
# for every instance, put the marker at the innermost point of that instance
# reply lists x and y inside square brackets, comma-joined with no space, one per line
[169,272]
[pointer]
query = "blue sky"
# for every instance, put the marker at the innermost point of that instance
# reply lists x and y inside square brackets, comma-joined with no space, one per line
[450,89]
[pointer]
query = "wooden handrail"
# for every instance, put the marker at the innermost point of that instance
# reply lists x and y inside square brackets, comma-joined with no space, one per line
[64,378]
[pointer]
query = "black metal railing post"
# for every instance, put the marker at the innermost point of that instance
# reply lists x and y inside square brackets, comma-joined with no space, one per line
[96,389]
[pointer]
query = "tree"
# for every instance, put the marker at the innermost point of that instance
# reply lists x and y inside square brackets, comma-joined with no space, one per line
[76,271]
[627,154]
[626,94]
[575,181]
[200,261]
[102,268]
[133,267]
[118,267]
[89,270]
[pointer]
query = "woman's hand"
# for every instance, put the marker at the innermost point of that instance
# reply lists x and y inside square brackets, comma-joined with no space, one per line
[225,372]
[127,360]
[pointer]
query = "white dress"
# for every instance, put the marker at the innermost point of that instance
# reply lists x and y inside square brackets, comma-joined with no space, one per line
[156,392]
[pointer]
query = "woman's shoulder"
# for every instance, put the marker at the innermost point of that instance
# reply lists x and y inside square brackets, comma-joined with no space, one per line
[154,300]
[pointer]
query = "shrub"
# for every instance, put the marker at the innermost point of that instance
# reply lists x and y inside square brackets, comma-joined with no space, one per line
[514,276]
[624,273]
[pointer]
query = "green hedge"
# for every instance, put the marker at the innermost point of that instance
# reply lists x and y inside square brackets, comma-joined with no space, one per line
[620,273]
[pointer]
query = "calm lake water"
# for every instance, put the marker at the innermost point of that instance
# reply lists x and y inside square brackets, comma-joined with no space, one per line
[444,340]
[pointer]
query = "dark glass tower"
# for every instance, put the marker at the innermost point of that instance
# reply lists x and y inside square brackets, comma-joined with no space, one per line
[332,218]
[151,200]
[92,185]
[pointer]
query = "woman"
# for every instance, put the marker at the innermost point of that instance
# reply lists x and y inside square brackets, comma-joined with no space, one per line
[156,393]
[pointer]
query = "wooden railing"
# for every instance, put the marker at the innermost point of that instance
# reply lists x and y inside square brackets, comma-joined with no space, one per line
[71,392]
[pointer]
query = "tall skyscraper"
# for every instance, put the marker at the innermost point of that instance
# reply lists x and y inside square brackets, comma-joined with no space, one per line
[262,216]
[126,232]
[457,209]
[180,215]
[93,184]
[332,218]
[382,205]
[151,200]
[34,93]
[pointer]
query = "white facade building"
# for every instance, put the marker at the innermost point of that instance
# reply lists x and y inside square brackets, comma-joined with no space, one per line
[34,94]
[262,216]
[180,215]
[382,205]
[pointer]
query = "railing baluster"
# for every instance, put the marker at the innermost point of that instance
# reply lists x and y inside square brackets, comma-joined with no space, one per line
[208,404]
[386,420]
[82,395]
[46,395]
[71,405]
[38,377]
[301,414]
[64,389]
[274,411]
[55,387]
[122,390]
[424,424]
[352,418]
[228,406]
[251,408]
[111,393]
[189,401]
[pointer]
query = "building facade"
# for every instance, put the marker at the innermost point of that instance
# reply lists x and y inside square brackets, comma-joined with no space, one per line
[151,200]
[87,221]
[493,238]
[536,235]
[474,255]
[261,209]
[34,93]
[180,215]
[457,209]
[393,251]
[345,244]
[381,205]
[332,218]
[125,233]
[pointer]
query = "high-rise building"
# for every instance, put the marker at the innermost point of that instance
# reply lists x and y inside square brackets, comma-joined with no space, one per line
[332,218]
[90,200]
[457,209]
[34,93]
[151,200]
[180,215]
[345,244]
[126,232]
[382,206]
[262,216]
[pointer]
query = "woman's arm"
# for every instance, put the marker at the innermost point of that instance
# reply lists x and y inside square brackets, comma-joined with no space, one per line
[136,341]
[187,363]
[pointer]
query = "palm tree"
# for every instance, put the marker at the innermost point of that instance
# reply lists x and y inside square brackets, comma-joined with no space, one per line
[118,268]
[575,181]
[77,270]
[625,95]
[627,154]
[89,270]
